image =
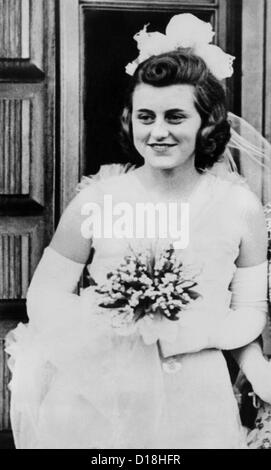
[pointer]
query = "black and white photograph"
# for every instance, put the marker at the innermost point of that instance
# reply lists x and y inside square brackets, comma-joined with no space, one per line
[135,227]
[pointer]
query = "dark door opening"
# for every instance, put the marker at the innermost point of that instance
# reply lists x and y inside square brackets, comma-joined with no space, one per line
[108,47]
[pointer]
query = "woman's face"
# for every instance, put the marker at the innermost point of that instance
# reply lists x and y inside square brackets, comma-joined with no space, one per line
[165,125]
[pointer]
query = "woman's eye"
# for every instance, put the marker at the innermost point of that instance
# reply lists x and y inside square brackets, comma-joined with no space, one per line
[146,118]
[175,118]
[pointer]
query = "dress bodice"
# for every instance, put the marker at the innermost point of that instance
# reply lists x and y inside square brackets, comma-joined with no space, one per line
[215,231]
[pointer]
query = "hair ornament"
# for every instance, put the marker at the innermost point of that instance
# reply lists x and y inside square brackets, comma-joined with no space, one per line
[184,31]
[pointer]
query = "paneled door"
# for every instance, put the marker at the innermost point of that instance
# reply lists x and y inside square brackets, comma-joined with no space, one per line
[27,157]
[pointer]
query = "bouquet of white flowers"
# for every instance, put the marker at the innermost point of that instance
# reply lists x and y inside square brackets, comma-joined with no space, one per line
[144,285]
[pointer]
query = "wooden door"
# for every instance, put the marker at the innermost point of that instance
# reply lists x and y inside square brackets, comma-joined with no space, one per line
[27,157]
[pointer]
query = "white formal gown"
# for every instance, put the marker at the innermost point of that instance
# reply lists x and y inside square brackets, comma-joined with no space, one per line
[82,385]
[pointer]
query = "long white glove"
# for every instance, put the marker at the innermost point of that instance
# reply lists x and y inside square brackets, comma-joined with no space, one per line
[51,300]
[240,325]
[247,317]
[252,362]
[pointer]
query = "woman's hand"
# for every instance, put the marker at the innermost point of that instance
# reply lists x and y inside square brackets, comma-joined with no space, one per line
[216,328]
[260,379]
[197,330]
[255,368]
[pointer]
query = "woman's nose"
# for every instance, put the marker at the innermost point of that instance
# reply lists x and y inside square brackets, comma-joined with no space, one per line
[159,130]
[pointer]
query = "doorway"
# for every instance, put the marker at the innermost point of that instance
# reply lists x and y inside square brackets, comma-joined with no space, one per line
[108,46]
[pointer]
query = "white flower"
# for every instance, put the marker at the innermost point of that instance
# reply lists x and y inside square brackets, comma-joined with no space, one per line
[170,277]
[134,300]
[126,277]
[168,290]
[183,30]
[217,60]
[151,292]
[145,279]
[187,30]
[150,44]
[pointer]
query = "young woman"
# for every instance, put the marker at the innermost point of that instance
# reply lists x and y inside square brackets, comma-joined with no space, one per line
[77,383]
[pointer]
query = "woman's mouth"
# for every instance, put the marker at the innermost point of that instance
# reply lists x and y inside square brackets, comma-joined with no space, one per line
[161,148]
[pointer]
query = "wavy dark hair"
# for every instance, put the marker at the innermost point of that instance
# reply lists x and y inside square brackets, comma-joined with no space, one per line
[184,67]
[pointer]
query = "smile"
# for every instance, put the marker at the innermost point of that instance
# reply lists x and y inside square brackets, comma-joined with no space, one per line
[161,147]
